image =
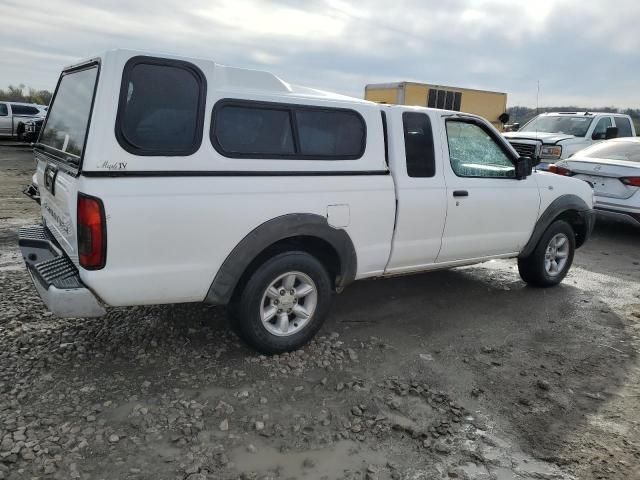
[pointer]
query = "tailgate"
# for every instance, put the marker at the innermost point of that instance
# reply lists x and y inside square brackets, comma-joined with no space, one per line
[58,200]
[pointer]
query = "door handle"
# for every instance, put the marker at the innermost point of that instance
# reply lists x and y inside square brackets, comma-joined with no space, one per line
[460,193]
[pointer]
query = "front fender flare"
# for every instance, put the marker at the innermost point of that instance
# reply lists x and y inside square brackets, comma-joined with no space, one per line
[564,203]
[275,230]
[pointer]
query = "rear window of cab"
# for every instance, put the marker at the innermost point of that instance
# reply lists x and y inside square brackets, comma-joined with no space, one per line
[161,113]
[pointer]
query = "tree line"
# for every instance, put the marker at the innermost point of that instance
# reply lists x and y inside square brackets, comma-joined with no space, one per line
[20,93]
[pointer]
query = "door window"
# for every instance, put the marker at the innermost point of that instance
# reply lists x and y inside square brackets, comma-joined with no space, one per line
[23,110]
[624,127]
[474,153]
[3,110]
[600,132]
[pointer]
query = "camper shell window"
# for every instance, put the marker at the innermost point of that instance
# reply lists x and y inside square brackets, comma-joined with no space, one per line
[161,107]
[251,129]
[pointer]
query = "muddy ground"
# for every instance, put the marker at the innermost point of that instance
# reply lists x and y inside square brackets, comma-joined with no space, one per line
[464,374]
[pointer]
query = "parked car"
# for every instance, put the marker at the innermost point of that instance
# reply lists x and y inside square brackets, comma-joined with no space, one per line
[14,115]
[32,129]
[550,137]
[613,169]
[206,183]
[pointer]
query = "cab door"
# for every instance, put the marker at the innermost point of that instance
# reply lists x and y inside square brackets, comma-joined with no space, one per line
[489,211]
[420,189]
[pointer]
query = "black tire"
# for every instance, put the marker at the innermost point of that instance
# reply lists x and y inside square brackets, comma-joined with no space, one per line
[246,306]
[532,268]
[20,132]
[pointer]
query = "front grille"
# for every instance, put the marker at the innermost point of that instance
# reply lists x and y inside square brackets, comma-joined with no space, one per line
[524,149]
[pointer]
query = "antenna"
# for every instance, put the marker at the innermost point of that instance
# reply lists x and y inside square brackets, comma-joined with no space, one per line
[538,99]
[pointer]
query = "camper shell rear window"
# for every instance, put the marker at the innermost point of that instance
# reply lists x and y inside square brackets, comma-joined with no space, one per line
[64,132]
[161,107]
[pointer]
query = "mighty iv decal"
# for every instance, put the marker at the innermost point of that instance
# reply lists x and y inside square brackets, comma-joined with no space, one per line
[113,166]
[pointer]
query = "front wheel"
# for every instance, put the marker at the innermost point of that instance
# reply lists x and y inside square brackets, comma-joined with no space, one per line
[550,261]
[284,303]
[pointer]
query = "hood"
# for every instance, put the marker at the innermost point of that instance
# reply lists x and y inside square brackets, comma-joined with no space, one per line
[544,137]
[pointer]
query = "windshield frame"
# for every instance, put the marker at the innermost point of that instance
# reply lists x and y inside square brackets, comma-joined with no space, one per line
[62,158]
[591,118]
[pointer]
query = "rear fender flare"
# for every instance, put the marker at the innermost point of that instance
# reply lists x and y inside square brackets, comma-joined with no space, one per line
[271,232]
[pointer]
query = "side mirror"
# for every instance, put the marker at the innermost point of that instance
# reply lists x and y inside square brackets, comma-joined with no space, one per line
[612,132]
[524,167]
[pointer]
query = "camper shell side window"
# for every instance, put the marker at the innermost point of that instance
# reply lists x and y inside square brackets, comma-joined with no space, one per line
[269,130]
[161,107]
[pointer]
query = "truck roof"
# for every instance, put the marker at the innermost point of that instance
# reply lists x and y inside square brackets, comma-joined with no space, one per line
[586,114]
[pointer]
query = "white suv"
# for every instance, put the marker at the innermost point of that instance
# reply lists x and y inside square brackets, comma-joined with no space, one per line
[167,180]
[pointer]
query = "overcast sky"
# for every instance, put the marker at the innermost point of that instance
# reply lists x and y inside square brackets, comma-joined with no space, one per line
[584,52]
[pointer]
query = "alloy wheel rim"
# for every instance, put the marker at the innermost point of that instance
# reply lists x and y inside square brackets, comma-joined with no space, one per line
[288,304]
[556,254]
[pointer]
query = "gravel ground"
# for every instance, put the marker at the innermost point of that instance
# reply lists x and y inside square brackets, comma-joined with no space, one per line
[464,374]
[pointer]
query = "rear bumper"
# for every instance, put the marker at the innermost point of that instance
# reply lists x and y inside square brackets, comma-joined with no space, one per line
[55,276]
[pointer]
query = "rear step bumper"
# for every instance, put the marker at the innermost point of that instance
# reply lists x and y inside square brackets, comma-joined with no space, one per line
[55,276]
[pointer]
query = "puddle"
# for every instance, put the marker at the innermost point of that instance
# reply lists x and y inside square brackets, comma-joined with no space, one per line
[330,462]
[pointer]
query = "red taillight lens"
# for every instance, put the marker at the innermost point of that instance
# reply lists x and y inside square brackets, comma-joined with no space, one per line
[631,181]
[560,170]
[92,232]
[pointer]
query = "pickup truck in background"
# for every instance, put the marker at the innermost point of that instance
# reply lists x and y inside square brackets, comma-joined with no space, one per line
[169,180]
[553,136]
[14,116]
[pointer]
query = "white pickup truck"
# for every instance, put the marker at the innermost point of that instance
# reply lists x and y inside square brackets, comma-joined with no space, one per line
[550,137]
[14,116]
[167,180]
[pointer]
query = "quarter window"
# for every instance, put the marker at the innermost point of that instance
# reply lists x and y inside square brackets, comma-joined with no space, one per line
[161,109]
[418,145]
[248,129]
[474,153]
[624,127]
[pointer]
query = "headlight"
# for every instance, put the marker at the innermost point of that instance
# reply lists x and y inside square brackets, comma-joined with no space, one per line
[551,151]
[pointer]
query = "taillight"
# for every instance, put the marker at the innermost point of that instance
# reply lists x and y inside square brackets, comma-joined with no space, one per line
[560,170]
[92,232]
[631,181]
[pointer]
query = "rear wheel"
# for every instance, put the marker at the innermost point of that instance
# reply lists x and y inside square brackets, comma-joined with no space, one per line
[284,303]
[550,261]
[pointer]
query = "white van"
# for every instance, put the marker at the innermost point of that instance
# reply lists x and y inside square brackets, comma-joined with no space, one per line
[167,180]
